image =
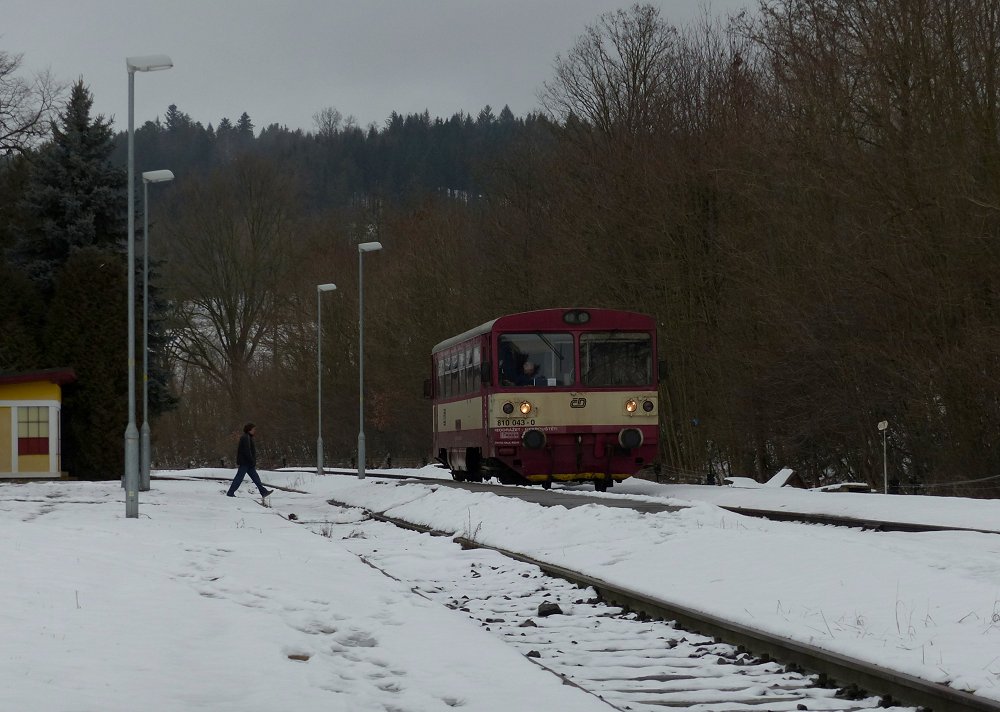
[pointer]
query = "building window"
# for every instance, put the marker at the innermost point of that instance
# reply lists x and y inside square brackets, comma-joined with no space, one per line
[33,430]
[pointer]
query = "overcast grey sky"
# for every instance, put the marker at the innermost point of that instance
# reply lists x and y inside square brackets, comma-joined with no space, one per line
[281,62]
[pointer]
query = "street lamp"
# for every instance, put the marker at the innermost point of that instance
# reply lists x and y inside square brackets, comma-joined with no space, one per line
[150,63]
[362,249]
[882,426]
[320,288]
[145,455]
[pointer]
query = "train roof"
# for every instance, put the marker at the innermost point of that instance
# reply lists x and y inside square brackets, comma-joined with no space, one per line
[554,319]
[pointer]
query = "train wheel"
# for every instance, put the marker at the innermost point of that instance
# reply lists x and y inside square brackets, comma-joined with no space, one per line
[600,485]
[547,484]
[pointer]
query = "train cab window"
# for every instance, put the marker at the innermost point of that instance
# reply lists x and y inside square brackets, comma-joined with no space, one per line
[550,356]
[616,359]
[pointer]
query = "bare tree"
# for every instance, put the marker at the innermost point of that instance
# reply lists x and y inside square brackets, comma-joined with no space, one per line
[617,73]
[27,106]
[233,252]
[328,121]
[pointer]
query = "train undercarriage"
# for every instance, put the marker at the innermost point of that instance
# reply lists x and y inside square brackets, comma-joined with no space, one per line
[468,465]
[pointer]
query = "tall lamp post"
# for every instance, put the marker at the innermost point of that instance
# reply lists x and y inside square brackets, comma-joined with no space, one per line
[362,249]
[145,454]
[150,63]
[320,288]
[882,426]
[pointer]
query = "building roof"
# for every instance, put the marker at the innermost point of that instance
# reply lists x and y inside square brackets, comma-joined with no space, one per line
[60,376]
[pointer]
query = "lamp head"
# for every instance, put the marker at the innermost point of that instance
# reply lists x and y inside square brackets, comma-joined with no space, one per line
[326,287]
[369,246]
[883,424]
[157,176]
[148,63]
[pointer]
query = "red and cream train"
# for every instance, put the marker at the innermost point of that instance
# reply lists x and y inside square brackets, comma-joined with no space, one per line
[561,395]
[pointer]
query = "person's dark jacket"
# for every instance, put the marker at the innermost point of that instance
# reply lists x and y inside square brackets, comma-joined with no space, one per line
[246,453]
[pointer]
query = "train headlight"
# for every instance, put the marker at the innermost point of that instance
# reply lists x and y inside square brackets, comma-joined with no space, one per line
[525,407]
[631,405]
[647,405]
[508,407]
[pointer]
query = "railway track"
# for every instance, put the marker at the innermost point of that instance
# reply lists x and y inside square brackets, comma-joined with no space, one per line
[556,497]
[634,652]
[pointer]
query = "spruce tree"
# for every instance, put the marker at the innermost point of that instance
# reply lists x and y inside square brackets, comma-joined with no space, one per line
[75,197]
[21,316]
[87,331]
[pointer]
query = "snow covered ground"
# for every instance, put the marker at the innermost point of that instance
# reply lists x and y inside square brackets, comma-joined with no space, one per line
[207,602]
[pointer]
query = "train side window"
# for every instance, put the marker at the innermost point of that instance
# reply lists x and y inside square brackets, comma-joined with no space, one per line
[453,376]
[480,369]
[470,373]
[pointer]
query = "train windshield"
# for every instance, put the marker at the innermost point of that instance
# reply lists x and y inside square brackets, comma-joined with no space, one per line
[616,359]
[536,359]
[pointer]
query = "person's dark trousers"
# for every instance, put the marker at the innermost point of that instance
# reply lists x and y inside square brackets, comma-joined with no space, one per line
[242,471]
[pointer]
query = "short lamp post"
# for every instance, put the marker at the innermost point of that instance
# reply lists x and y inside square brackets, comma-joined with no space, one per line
[320,288]
[146,457]
[362,249]
[883,425]
[149,63]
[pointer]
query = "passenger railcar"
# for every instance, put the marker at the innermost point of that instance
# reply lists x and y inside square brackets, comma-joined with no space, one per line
[549,395]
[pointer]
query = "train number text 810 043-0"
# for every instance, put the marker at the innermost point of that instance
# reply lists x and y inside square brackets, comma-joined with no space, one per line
[514,422]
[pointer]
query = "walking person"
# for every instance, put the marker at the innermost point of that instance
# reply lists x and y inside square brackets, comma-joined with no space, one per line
[246,462]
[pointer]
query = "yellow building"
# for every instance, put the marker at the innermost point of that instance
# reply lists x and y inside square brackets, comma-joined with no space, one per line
[30,433]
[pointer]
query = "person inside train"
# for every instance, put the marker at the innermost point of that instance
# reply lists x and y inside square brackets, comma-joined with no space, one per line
[531,375]
[509,373]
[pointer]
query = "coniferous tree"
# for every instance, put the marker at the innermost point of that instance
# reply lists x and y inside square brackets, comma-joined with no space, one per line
[75,197]
[244,132]
[90,284]
[21,313]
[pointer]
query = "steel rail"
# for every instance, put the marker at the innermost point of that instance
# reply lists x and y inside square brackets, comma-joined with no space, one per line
[884,525]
